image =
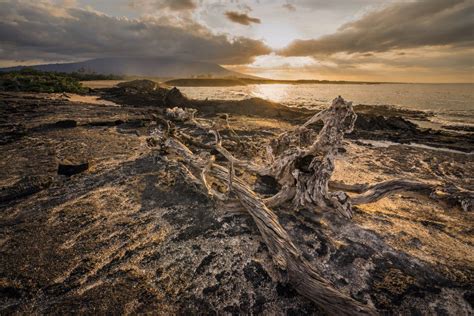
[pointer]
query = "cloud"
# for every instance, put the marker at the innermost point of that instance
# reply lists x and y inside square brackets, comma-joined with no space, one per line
[402,25]
[40,30]
[347,6]
[174,5]
[289,7]
[241,18]
[415,65]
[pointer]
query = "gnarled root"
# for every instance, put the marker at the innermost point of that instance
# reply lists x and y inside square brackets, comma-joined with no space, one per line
[303,167]
[302,163]
[374,192]
[304,278]
[377,191]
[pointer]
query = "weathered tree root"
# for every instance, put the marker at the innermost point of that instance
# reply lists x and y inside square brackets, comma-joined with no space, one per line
[303,169]
[374,192]
[304,278]
[307,165]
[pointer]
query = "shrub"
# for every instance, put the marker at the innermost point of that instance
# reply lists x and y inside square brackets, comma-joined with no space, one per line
[31,80]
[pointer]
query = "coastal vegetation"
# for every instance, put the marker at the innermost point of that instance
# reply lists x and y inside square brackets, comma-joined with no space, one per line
[32,80]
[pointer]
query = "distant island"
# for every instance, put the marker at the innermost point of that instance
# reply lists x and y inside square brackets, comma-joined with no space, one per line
[159,67]
[177,72]
[227,82]
[34,80]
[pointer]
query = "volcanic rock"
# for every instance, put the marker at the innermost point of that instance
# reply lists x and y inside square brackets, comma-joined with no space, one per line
[66,124]
[174,97]
[69,169]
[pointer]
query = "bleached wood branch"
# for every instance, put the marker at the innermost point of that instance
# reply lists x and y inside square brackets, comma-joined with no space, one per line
[288,258]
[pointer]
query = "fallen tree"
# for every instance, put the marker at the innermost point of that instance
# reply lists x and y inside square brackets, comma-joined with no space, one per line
[302,162]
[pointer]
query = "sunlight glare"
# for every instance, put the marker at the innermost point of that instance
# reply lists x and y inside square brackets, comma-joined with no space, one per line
[272,92]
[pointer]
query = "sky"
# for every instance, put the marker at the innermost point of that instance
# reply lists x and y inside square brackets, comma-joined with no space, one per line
[364,40]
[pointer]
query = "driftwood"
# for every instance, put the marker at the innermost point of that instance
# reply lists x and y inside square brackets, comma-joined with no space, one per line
[302,162]
[287,257]
[302,171]
[374,192]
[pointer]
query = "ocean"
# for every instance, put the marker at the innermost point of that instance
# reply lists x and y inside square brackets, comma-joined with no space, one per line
[447,104]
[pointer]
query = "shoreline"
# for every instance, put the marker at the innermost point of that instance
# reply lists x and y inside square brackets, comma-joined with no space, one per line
[390,123]
[425,118]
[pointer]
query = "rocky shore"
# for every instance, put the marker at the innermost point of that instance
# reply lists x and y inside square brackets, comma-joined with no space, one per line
[94,221]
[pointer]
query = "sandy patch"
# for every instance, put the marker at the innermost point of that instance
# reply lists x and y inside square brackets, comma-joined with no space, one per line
[98,84]
[90,99]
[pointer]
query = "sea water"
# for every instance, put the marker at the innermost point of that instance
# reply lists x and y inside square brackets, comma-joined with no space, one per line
[448,104]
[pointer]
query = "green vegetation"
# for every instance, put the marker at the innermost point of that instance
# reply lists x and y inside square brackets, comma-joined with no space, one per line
[31,80]
[83,75]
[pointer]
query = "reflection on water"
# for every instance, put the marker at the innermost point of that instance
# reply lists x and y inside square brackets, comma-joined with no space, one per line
[452,103]
[274,92]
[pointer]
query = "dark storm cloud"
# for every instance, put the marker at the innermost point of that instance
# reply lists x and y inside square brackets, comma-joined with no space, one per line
[44,32]
[399,26]
[241,18]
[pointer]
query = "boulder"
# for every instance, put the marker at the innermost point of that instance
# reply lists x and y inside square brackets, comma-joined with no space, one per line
[378,122]
[66,124]
[68,169]
[142,93]
[173,97]
[398,122]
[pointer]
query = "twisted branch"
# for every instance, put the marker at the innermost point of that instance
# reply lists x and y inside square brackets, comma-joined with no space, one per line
[304,278]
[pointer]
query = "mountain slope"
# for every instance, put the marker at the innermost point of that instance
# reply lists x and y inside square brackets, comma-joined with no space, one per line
[150,67]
